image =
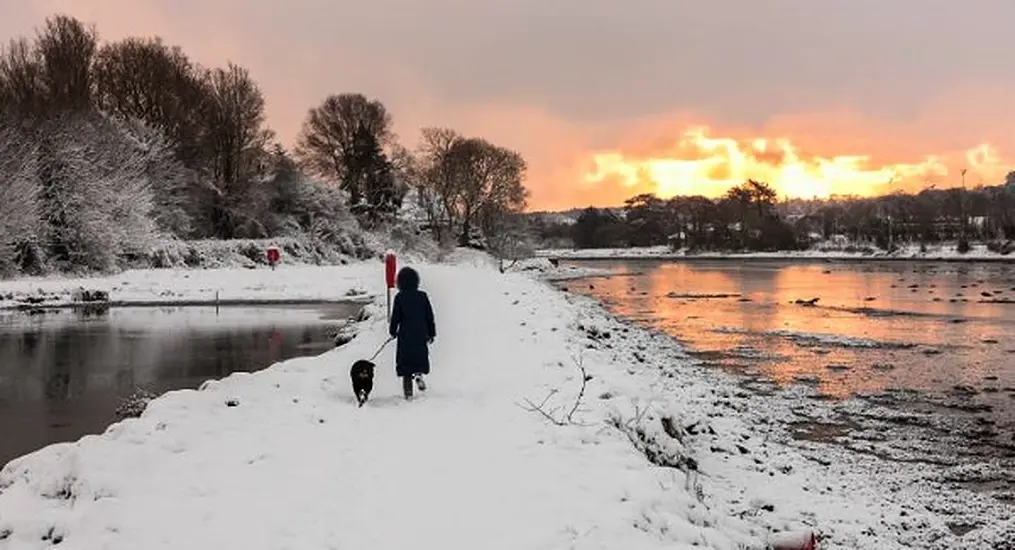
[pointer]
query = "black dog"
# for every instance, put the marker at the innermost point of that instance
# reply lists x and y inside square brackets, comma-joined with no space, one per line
[362,374]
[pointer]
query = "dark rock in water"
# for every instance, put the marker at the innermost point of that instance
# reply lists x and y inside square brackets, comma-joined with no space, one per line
[232,403]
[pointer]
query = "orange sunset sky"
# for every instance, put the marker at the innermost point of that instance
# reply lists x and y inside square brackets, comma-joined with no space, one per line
[607,99]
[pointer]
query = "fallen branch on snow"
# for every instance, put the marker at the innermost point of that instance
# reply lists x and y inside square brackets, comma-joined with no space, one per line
[555,414]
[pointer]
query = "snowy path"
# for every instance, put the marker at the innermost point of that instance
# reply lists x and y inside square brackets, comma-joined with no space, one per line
[298,466]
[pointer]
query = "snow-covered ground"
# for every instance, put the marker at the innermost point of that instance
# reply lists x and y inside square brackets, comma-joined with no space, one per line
[180,285]
[659,453]
[977,252]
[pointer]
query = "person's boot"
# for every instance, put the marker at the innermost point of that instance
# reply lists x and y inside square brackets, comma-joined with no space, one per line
[407,386]
[420,383]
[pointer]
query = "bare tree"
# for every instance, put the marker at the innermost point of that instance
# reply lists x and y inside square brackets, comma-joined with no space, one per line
[487,178]
[327,142]
[436,187]
[236,139]
[144,78]
[67,47]
[512,241]
[468,182]
[21,88]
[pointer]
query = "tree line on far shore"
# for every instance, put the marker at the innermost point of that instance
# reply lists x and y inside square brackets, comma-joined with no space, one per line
[108,147]
[749,217]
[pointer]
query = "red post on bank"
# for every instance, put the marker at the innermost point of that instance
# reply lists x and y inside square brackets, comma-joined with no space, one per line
[390,265]
[273,256]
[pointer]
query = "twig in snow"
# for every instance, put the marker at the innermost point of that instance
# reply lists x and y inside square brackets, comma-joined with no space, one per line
[552,413]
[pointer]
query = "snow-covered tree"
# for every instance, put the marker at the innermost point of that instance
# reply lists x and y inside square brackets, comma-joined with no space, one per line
[19,198]
[95,196]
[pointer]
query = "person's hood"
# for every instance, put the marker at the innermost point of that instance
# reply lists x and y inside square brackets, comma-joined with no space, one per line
[408,279]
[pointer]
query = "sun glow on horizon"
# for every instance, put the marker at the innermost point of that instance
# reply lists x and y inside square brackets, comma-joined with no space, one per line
[702,165]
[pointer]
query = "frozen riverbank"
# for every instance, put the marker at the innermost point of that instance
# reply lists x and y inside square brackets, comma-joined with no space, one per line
[661,453]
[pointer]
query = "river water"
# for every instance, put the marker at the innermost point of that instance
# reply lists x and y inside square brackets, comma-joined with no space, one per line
[925,338]
[63,373]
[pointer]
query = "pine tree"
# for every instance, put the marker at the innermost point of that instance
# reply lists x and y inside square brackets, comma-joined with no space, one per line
[372,173]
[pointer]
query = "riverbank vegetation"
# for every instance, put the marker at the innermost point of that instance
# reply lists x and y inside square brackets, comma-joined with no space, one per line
[750,217]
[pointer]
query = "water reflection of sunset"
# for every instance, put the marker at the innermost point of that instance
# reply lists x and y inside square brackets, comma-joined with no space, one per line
[897,325]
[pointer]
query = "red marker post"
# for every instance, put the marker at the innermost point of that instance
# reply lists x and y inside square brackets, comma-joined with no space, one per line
[390,265]
[273,256]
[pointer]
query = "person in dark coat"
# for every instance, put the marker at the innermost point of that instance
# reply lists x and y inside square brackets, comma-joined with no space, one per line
[412,323]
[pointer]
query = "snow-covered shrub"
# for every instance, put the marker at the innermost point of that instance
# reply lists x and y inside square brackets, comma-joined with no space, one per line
[19,197]
[171,182]
[661,439]
[96,199]
[406,238]
[314,212]
[215,253]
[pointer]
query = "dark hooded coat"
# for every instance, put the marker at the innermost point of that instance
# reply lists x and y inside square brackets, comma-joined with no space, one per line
[412,322]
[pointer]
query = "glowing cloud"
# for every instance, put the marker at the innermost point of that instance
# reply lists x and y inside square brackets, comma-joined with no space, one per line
[702,165]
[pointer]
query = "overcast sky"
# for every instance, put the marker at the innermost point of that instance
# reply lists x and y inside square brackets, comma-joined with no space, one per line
[557,79]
